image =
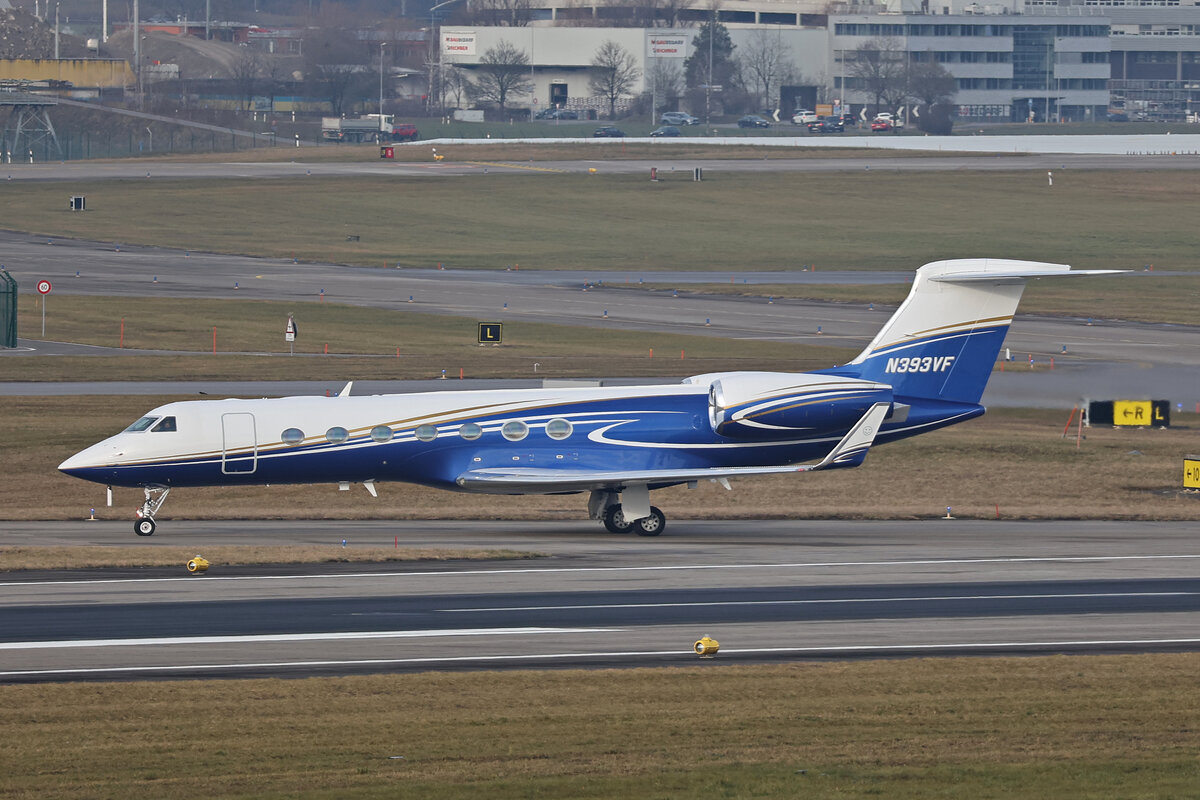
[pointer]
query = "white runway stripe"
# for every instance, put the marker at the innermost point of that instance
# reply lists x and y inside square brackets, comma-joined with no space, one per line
[289,637]
[830,600]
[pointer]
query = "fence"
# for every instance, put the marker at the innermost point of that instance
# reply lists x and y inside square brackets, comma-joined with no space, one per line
[8,309]
[78,146]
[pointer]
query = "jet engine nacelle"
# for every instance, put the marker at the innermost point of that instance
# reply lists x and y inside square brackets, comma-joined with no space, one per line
[770,405]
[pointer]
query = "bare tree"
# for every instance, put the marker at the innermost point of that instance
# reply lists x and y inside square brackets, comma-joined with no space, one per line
[881,67]
[765,66]
[931,83]
[334,65]
[503,72]
[247,70]
[456,84]
[614,71]
[664,79]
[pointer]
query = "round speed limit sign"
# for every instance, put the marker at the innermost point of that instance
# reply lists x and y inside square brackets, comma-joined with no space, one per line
[44,287]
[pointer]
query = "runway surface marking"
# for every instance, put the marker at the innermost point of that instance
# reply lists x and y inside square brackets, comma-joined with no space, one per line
[864,648]
[267,638]
[818,602]
[661,568]
[507,165]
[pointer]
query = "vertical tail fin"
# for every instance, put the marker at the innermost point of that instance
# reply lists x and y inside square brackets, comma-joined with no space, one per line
[943,340]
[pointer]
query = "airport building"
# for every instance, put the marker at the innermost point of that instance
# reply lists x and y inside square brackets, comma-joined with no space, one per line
[1008,67]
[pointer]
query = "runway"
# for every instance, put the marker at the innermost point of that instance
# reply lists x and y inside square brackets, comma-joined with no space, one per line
[766,590]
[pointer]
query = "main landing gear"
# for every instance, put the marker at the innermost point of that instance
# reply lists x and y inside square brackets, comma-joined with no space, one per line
[606,507]
[155,496]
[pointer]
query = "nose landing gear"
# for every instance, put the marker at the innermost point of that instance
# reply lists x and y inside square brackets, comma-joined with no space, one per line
[155,496]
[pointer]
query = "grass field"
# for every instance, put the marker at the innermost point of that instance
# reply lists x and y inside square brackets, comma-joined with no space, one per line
[1082,727]
[729,222]
[1013,460]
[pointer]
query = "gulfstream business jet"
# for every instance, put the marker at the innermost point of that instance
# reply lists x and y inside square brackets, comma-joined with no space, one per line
[925,369]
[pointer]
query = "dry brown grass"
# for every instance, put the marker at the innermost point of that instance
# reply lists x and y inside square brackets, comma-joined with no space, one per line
[1062,727]
[1012,458]
[53,557]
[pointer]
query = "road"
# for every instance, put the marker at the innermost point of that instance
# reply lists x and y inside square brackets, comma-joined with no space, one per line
[765,590]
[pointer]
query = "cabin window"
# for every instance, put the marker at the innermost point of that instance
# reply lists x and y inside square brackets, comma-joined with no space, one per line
[337,434]
[292,436]
[382,433]
[515,430]
[426,433]
[167,424]
[558,429]
[142,424]
[470,431]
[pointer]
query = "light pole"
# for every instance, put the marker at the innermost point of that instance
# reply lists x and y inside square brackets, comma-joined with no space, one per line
[712,29]
[381,46]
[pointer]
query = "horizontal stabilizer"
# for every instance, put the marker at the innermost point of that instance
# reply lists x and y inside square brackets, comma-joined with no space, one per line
[1022,275]
[849,452]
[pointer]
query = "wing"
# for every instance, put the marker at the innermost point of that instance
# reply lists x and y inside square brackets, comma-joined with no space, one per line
[849,452]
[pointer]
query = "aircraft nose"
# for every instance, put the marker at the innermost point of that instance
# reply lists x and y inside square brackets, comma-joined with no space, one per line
[75,463]
[83,463]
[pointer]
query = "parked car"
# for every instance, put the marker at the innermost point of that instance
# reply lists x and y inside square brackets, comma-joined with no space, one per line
[545,113]
[1120,116]
[608,132]
[753,121]
[803,116]
[826,125]
[678,118]
[666,130]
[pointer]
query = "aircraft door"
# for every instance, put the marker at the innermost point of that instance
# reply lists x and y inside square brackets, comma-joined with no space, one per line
[239,451]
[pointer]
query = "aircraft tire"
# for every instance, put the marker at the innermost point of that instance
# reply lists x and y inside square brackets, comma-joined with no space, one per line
[652,525]
[144,527]
[614,520]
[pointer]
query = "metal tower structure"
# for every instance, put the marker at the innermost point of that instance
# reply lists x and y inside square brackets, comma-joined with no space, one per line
[28,125]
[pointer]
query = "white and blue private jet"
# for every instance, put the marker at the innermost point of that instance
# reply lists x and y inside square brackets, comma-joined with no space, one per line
[925,369]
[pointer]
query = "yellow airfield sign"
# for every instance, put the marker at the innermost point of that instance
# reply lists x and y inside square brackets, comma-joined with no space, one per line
[1191,472]
[1136,412]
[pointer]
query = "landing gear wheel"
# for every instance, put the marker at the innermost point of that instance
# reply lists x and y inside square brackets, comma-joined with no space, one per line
[652,525]
[144,527]
[614,520]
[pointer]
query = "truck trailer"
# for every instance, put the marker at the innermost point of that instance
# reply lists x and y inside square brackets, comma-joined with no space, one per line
[381,128]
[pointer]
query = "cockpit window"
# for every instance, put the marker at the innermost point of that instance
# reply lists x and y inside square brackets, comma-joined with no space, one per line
[167,424]
[142,424]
